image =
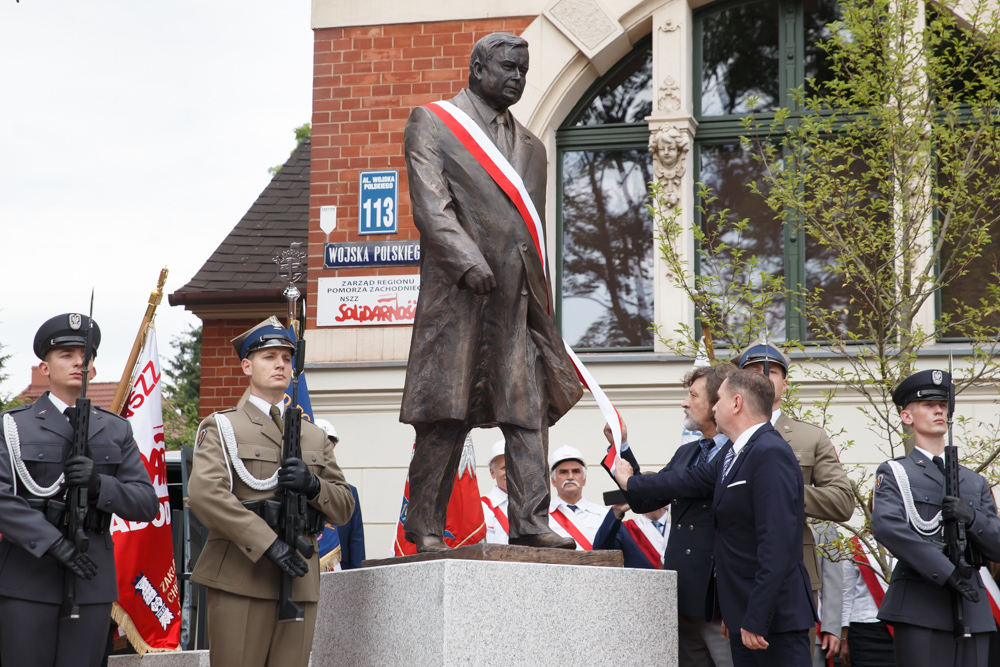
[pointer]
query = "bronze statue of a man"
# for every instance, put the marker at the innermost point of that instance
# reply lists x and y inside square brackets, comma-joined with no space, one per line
[485,352]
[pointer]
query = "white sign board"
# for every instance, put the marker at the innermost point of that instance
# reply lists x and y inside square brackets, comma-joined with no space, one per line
[327,219]
[366,300]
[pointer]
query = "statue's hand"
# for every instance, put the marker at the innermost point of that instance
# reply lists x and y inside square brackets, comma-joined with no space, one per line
[479,279]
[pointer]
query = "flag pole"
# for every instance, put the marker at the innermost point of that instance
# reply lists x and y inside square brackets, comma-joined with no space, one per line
[123,385]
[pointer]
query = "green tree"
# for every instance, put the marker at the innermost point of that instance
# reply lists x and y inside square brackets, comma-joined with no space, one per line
[302,132]
[889,170]
[6,400]
[183,391]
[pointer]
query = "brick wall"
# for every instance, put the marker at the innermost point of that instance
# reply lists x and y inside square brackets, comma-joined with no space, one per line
[222,379]
[365,82]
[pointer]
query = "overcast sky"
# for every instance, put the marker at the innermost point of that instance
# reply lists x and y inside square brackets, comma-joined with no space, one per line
[133,136]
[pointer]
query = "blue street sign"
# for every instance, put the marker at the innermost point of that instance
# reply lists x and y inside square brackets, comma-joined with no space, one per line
[378,202]
[371,253]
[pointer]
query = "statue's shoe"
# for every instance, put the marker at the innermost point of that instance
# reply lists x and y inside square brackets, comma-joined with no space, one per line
[427,543]
[544,540]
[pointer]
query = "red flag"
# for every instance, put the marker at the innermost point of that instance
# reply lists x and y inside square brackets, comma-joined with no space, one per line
[465,524]
[148,607]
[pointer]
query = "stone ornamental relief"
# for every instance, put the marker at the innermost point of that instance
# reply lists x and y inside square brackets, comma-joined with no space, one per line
[669,147]
[670,97]
[585,19]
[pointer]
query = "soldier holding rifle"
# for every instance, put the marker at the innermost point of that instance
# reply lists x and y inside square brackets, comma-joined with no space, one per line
[261,572]
[936,601]
[57,576]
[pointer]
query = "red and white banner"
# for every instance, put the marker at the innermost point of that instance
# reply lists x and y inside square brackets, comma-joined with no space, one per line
[148,607]
[464,522]
[482,148]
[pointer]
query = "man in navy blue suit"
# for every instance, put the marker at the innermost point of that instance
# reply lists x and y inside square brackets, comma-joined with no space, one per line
[761,583]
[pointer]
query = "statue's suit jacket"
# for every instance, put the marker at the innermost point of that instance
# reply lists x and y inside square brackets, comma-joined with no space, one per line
[828,493]
[917,592]
[762,585]
[476,358]
[232,559]
[46,437]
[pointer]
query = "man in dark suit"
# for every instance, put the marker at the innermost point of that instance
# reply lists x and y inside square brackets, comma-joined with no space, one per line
[924,582]
[34,553]
[484,351]
[762,585]
[689,550]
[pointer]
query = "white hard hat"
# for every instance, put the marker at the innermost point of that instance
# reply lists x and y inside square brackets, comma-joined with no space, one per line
[331,432]
[497,449]
[565,453]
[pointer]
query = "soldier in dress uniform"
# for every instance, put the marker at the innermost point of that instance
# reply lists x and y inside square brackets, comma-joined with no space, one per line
[35,440]
[237,466]
[909,499]
[495,502]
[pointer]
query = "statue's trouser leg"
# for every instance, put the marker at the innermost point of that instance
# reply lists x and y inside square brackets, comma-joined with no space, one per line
[527,479]
[436,455]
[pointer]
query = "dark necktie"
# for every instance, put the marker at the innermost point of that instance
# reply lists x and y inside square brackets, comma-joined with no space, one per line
[706,446]
[939,462]
[572,507]
[276,418]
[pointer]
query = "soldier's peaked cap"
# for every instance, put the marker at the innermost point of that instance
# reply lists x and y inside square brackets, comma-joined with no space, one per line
[756,354]
[932,385]
[268,333]
[66,330]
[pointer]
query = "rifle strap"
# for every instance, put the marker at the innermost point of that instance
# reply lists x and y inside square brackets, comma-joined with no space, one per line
[235,463]
[18,469]
[921,525]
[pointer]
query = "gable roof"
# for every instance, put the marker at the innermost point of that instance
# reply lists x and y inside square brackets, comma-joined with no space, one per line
[241,269]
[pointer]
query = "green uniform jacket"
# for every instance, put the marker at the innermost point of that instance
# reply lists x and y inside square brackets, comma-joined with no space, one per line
[233,559]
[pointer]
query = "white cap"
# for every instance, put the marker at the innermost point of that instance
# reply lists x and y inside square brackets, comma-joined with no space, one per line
[497,449]
[565,453]
[331,432]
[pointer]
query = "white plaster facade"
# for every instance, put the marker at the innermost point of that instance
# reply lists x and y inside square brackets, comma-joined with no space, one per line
[356,375]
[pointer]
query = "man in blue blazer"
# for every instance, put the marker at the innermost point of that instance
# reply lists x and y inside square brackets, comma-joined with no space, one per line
[762,586]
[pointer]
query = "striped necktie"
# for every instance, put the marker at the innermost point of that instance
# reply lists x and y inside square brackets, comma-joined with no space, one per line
[728,463]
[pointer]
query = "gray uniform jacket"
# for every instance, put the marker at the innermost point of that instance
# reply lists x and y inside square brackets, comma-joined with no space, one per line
[917,593]
[46,437]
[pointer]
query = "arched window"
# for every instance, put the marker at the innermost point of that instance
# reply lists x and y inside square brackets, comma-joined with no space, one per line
[605,233]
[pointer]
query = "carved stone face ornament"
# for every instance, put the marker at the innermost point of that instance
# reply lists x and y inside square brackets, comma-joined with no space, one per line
[500,79]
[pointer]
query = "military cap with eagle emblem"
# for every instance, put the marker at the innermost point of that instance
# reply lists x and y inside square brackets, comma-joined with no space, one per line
[756,354]
[66,330]
[932,385]
[268,333]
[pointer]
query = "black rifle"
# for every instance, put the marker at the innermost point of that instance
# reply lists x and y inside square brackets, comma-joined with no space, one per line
[954,531]
[294,518]
[77,503]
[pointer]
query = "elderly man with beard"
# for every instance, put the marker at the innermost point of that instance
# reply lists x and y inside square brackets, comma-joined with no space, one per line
[689,550]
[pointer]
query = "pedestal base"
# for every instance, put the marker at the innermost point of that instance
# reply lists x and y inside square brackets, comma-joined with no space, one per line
[510,554]
[482,613]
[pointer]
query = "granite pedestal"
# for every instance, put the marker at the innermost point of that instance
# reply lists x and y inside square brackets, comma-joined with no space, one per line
[483,613]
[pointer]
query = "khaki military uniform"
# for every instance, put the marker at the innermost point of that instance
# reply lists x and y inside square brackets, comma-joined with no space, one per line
[243,584]
[827,490]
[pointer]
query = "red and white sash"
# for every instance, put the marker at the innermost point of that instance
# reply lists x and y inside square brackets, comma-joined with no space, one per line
[482,148]
[498,513]
[649,550]
[571,528]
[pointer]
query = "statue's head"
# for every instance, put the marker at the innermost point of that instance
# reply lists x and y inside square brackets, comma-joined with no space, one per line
[497,68]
